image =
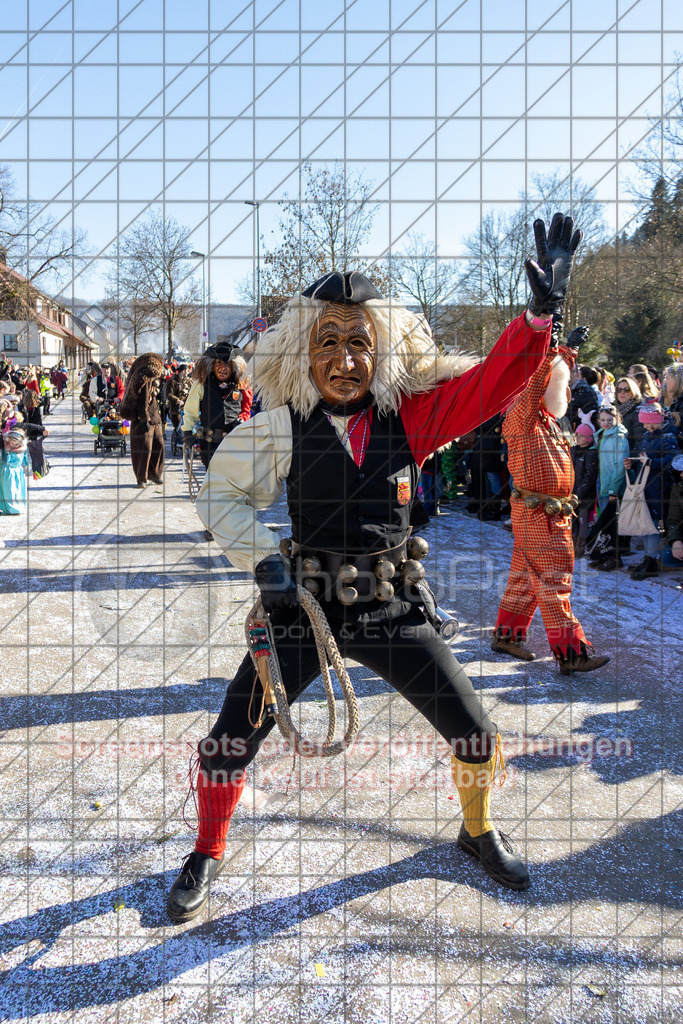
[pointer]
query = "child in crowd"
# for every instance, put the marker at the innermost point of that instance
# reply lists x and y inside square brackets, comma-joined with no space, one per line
[659,448]
[585,458]
[612,442]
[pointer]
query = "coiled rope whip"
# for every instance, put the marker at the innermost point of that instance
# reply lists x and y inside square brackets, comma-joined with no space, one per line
[261,643]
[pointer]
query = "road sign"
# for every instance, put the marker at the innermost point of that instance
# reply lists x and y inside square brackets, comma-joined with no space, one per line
[260,324]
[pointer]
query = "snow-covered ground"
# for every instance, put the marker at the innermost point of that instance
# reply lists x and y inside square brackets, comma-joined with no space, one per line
[120,629]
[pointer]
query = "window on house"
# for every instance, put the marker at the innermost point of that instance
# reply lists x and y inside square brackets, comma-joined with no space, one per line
[10,342]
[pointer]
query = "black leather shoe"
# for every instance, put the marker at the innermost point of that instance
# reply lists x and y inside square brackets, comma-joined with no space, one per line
[190,891]
[495,853]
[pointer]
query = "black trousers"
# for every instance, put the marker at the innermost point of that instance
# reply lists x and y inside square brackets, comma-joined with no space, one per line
[406,652]
[207,449]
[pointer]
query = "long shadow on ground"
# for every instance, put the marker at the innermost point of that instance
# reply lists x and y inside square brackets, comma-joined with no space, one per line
[635,866]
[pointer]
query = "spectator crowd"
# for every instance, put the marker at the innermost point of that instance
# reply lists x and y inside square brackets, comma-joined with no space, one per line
[626,434]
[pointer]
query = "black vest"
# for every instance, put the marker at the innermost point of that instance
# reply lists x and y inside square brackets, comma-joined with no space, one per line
[108,390]
[220,408]
[336,505]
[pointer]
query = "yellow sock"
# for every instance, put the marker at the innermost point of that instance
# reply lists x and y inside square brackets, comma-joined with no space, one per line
[474,782]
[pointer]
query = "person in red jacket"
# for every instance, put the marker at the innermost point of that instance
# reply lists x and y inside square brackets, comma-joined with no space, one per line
[356,396]
[542,506]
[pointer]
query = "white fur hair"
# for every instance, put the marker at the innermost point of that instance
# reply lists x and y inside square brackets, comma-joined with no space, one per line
[408,361]
[555,397]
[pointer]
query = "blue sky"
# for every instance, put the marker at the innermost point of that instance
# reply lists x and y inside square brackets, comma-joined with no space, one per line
[450,107]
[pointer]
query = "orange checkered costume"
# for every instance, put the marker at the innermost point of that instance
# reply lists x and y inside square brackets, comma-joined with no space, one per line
[543,555]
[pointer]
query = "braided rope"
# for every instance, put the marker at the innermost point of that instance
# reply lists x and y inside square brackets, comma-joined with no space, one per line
[327,649]
[192,481]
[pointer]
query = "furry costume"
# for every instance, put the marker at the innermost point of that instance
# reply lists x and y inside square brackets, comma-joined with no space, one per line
[141,406]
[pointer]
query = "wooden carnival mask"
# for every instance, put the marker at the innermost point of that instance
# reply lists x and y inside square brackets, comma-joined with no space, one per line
[343,353]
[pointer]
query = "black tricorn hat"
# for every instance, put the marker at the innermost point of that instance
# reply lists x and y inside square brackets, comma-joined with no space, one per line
[222,350]
[348,288]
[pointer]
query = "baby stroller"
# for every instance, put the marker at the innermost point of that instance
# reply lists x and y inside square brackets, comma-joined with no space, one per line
[176,440]
[110,436]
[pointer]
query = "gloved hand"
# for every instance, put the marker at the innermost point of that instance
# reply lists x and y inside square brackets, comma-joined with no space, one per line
[549,276]
[577,337]
[276,583]
[144,426]
[188,437]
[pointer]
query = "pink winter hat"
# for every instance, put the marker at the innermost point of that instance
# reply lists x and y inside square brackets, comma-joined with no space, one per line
[652,413]
[585,430]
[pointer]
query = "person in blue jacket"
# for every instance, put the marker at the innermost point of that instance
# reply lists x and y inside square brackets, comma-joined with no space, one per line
[612,442]
[659,448]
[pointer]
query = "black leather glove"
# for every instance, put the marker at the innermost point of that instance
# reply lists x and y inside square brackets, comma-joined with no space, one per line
[276,583]
[549,277]
[188,438]
[577,337]
[145,426]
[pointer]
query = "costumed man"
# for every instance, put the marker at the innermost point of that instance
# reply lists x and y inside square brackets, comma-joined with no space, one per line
[542,506]
[106,385]
[140,405]
[356,396]
[177,389]
[219,397]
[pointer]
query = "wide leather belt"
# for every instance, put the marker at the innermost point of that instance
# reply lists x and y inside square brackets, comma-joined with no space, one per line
[352,577]
[213,436]
[552,506]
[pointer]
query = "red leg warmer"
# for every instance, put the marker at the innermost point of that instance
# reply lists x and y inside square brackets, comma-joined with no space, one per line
[216,802]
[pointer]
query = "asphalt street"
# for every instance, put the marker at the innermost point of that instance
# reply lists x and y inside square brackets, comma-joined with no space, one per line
[346,898]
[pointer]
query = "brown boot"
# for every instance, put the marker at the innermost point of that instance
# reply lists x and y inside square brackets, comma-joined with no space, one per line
[515,648]
[584,661]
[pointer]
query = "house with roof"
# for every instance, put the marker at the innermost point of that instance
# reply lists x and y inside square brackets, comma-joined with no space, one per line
[36,329]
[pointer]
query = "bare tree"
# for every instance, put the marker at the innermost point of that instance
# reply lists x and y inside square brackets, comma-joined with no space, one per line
[494,277]
[127,305]
[32,243]
[322,231]
[429,282]
[155,256]
[572,196]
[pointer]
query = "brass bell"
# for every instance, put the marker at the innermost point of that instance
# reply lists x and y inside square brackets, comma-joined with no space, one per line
[347,573]
[573,501]
[384,591]
[552,507]
[567,508]
[312,586]
[532,503]
[418,547]
[516,494]
[349,595]
[384,569]
[311,565]
[413,571]
[286,547]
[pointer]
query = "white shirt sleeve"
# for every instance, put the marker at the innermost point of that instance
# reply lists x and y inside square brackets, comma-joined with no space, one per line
[246,473]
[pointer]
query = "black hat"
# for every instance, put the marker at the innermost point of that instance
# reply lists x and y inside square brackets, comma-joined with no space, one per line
[348,288]
[222,350]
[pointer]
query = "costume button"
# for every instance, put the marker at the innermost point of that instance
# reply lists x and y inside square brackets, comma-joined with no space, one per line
[361,519]
[361,476]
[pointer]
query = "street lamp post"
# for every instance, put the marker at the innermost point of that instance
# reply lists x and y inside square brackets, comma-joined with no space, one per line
[202,257]
[257,203]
